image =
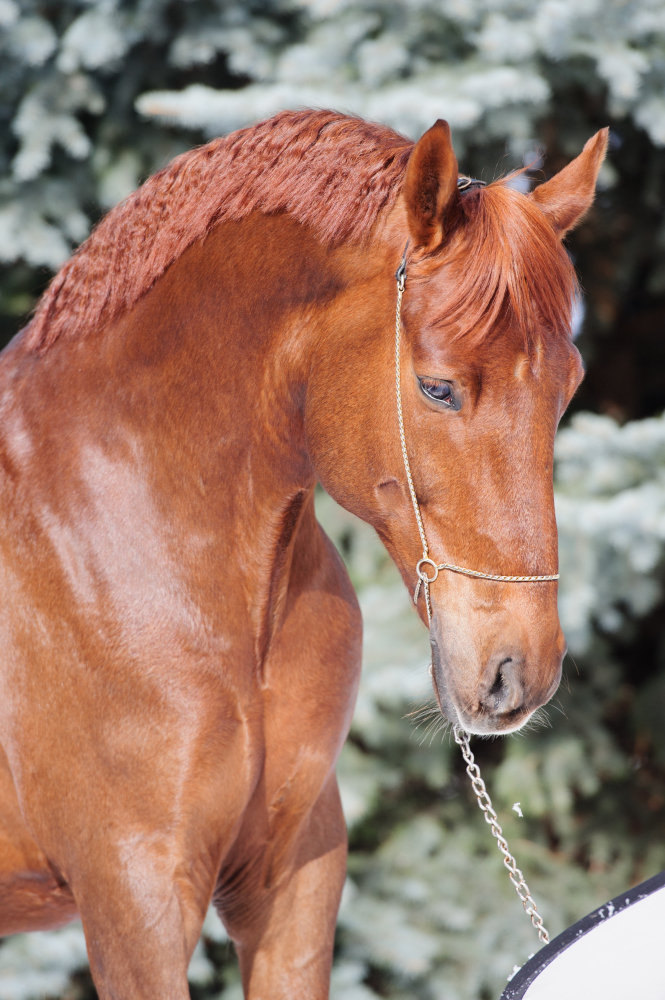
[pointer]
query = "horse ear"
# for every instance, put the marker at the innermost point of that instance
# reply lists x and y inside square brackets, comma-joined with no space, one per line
[568,195]
[430,185]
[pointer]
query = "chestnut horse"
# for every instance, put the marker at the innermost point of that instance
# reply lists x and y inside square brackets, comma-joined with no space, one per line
[180,641]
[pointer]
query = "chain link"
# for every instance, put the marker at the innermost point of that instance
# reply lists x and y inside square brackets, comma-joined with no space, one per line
[485,804]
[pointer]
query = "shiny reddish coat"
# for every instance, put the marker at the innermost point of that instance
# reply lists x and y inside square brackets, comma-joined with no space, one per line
[180,641]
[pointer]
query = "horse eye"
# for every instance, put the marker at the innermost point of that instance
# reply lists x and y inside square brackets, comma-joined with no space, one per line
[439,390]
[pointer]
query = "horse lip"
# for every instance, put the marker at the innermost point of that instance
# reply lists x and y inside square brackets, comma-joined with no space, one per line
[446,705]
[435,688]
[484,726]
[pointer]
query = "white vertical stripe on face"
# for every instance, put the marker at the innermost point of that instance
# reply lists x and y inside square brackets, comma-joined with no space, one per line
[522,366]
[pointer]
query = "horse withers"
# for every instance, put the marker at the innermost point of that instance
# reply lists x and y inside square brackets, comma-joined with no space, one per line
[180,641]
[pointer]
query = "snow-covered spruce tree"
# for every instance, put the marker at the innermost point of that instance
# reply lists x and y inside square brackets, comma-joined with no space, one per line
[71,141]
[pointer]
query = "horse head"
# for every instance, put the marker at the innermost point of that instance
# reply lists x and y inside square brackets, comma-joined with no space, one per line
[485,368]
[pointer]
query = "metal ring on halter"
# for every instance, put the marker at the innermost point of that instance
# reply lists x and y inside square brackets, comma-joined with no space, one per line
[422,574]
[425,580]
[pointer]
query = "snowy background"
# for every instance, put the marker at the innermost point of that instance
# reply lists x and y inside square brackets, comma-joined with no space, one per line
[95,96]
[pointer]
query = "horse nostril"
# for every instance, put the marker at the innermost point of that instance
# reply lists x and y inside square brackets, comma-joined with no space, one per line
[505,693]
[498,685]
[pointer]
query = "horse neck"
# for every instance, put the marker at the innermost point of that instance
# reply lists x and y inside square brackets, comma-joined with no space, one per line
[216,342]
[228,337]
[206,377]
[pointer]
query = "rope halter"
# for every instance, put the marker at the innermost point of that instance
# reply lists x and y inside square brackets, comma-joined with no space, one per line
[427,570]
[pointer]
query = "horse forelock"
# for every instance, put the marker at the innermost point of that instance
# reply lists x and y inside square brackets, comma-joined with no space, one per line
[331,172]
[506,265]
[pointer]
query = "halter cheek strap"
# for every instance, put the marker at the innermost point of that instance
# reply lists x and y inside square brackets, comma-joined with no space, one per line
[427,569]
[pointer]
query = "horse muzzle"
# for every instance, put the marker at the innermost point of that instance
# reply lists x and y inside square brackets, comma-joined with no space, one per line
[498,696]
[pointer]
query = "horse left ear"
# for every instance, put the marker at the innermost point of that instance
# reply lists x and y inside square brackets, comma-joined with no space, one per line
[568,195]
[430,185]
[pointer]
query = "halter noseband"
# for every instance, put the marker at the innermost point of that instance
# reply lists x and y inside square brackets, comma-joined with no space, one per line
[427,569]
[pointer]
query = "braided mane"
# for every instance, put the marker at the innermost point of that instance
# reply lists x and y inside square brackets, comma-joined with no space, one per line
[328,171]
[331,172]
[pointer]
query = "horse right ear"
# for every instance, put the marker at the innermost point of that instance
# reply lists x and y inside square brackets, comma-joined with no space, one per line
[568,195]
[430,186]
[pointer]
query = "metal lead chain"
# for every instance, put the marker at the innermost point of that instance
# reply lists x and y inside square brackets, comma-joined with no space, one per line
[485,804]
